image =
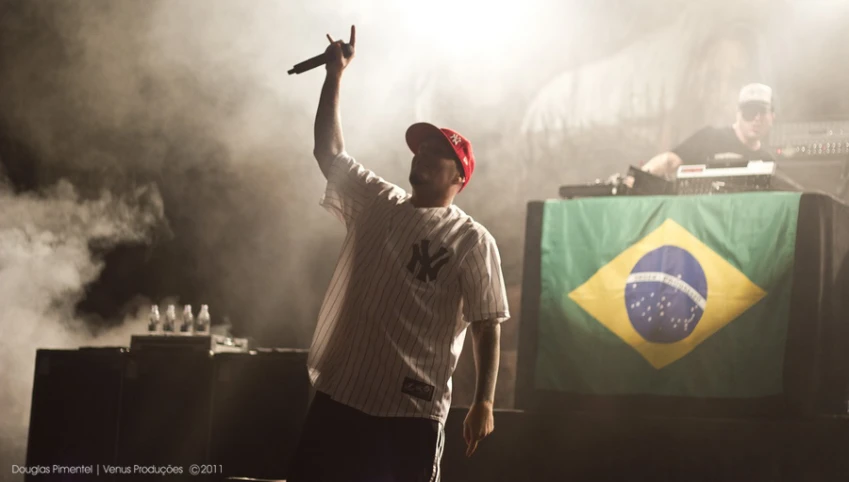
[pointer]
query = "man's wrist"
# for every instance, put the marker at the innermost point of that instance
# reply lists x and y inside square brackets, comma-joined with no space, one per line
[486,403]
[334,75]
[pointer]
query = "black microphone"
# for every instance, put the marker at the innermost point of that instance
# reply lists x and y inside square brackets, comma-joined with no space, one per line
[318,60]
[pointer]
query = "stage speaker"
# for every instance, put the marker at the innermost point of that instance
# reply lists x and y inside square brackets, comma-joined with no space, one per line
[828,174]
[260,401]
[76,399]
[164,421]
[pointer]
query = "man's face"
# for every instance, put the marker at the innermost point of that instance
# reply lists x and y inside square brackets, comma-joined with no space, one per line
[435,165]
[755,120]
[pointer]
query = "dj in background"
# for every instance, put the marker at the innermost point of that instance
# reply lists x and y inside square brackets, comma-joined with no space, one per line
[740,142]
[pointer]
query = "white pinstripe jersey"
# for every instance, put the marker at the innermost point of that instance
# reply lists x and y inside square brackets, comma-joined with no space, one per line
[406,284]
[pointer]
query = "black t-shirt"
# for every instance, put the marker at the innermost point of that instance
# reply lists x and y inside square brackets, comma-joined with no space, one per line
[718,145]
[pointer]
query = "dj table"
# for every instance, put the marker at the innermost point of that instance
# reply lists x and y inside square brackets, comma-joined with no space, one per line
[730,305]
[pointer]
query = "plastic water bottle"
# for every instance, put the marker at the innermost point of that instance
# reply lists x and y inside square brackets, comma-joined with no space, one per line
[203,320]
[170,319]
[188,321]
[153,320]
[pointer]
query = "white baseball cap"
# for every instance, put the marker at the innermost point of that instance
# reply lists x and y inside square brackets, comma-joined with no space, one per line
[755,93]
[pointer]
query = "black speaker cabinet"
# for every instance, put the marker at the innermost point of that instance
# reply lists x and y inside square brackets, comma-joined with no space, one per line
[158,410]
[166,410]
[76,399]
[828,175]
[260,401]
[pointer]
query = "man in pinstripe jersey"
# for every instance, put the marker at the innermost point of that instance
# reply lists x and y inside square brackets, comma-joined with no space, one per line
[414,272]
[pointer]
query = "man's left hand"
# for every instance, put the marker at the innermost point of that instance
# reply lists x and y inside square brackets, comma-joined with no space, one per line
[478,424]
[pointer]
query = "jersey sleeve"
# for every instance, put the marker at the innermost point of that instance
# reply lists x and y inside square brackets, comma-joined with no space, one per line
[694,149]
[351,188]
[482,283]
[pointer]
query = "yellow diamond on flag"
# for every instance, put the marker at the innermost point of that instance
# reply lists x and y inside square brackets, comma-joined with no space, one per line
[666,294]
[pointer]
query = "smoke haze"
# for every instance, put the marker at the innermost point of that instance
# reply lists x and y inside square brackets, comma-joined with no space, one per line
[47,244]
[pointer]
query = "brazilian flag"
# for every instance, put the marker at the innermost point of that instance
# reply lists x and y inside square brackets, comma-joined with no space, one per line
[684,296]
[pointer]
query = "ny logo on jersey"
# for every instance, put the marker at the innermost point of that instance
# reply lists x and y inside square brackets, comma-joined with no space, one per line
[428,266]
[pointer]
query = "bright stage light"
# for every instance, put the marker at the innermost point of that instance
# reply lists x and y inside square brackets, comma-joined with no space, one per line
[462,29]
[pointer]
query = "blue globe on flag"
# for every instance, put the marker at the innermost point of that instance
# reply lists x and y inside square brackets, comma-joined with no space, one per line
[666,295]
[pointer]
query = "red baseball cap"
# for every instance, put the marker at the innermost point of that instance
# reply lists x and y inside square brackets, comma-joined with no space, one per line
[420,131]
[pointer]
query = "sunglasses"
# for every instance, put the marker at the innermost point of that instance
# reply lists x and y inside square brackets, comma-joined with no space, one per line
[750,111]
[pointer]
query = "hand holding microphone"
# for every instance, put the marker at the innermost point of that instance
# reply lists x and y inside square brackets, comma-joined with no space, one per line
[337,56]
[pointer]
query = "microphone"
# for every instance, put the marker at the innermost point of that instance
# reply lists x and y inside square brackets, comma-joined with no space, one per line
[318,60]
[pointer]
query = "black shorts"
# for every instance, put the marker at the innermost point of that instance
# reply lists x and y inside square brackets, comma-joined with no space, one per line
[340,443]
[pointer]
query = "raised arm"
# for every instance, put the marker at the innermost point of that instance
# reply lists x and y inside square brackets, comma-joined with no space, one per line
[328,125]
